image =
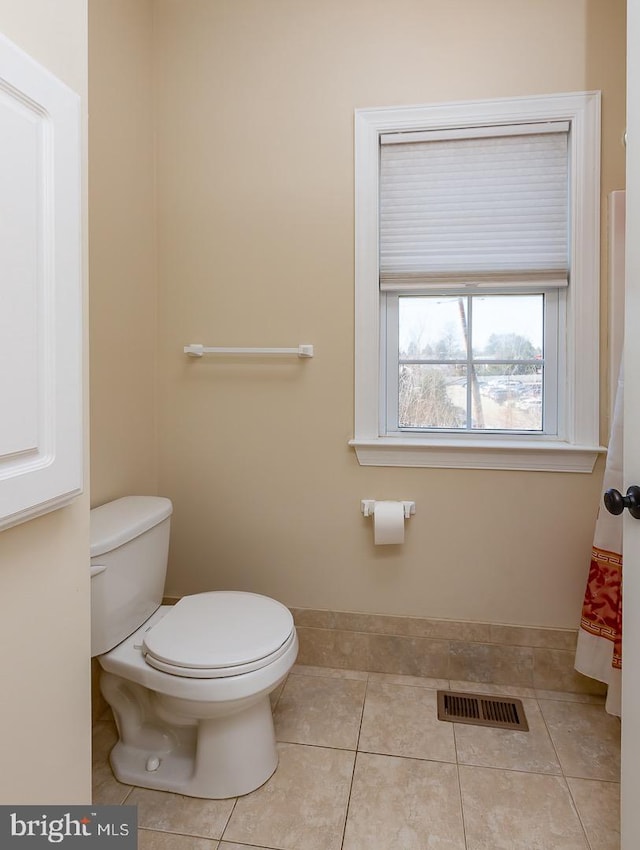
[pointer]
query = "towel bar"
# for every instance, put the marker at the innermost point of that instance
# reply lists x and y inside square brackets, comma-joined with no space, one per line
[197,350]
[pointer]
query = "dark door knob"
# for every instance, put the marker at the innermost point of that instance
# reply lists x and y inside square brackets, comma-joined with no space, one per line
[615,502]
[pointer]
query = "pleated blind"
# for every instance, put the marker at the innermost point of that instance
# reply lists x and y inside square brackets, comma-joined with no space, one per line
[486,205]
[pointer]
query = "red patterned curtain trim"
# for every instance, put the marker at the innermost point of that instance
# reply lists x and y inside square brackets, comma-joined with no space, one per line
[602,608]
[606,557]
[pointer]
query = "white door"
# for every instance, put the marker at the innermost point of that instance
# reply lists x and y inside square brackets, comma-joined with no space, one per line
[41,427]
[630,809]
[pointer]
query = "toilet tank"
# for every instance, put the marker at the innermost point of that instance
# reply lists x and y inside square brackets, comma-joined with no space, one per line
[129,548]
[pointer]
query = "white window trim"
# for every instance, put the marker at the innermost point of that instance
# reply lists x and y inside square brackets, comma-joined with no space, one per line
[579,447]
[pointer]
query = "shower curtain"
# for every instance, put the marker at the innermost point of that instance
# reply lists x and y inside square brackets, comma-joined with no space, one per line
[599,650]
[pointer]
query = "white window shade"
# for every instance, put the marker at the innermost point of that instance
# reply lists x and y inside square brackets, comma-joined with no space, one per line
[473,207]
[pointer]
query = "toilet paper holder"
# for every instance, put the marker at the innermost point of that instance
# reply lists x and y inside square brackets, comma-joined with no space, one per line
[368,507]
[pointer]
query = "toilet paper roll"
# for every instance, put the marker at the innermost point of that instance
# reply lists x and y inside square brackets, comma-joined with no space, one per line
[388,523]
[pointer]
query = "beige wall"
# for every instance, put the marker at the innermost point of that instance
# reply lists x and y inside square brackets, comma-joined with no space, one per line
[254,131]
[122,250]
[254,246]
[44,580]
[606,50]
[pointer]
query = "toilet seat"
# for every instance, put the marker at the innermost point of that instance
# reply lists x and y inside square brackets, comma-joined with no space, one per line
[218,634]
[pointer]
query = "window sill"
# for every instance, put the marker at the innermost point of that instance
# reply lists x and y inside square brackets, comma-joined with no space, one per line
[547,456]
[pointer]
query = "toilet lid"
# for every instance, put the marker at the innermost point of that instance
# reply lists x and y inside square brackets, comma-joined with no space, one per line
[222,633]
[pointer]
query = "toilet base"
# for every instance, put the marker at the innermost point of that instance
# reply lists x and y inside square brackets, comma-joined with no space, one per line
[202,737]
[215,758]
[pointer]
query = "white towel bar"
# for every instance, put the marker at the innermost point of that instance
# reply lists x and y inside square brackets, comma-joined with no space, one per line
[197,350]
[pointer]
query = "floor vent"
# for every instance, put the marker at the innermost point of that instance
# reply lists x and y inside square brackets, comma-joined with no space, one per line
[482,710]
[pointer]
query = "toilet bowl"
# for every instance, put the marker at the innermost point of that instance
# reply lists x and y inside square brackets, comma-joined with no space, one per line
[188,684]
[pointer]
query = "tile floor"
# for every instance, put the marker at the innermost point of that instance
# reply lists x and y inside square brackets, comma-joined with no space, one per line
[366,765]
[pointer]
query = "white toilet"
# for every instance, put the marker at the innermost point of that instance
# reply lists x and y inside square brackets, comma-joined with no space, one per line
[188,684]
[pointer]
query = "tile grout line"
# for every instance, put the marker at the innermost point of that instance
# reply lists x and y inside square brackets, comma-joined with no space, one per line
[564,775]
[235,802]
[455,745]
[228,821]
[355,760]
[553,743]
[566,778]
[128,794]
[577,811]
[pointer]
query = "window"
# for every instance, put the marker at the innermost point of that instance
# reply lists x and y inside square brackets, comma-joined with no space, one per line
[477,272]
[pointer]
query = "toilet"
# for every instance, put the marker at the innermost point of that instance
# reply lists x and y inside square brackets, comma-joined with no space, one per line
[188,683]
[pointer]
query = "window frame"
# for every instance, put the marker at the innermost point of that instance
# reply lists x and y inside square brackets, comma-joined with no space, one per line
[576,446]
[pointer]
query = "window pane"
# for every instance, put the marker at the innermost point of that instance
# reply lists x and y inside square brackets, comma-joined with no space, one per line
[505,403]
[432,328]
[508,330]
[508,327]
[432,396]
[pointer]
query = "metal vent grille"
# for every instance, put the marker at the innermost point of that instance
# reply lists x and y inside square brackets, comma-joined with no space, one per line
[482,710]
